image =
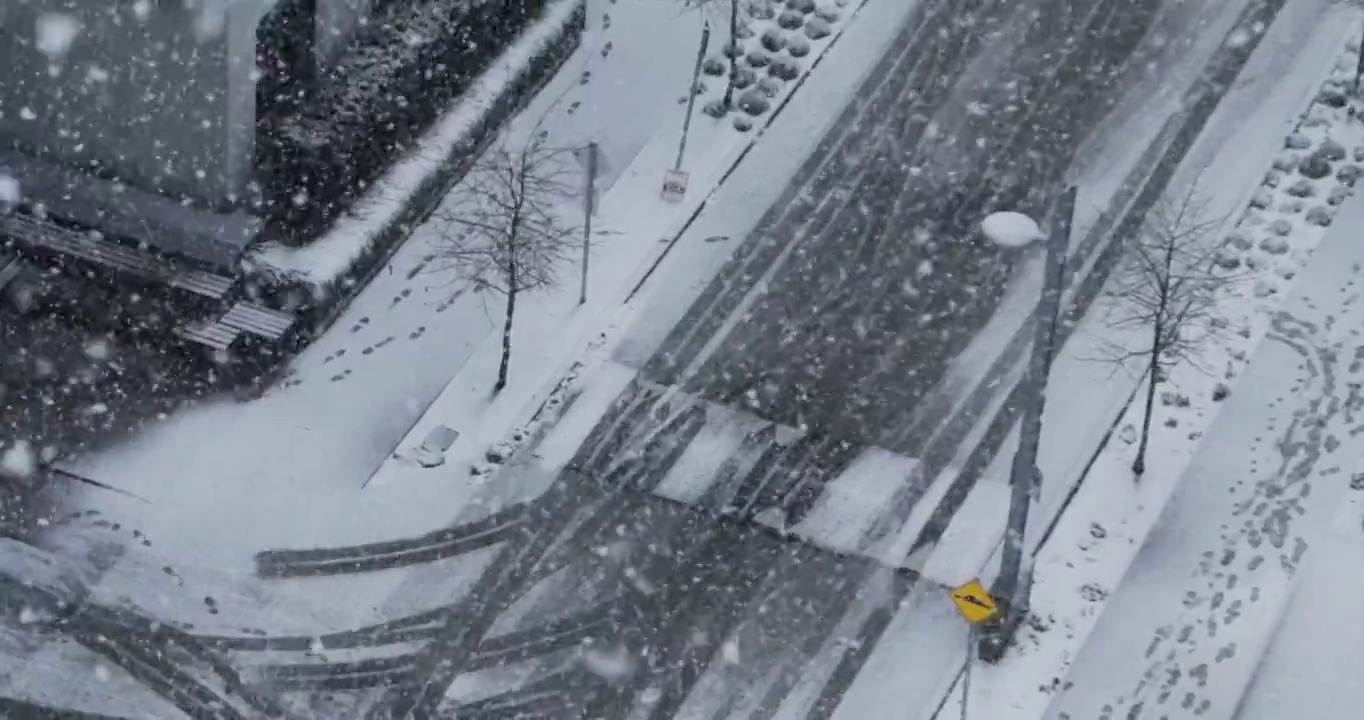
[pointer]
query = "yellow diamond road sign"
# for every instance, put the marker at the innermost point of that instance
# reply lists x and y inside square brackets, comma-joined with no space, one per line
[973,602]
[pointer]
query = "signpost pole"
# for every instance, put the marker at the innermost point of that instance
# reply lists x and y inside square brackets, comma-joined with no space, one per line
[587,216]
[976,606]
[966,669]
[691,99]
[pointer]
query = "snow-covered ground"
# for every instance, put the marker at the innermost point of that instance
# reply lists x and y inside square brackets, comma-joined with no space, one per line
[1189,621]
[224,481]
[1319,635]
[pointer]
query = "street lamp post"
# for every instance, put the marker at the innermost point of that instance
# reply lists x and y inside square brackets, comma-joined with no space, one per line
[1014,584]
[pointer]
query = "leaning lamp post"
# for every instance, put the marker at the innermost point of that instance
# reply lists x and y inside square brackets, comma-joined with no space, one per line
[1014,584]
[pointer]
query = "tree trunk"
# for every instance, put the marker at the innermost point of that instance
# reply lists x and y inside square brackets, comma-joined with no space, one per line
[1359,71]
[732,52]
[506,341]
[1139,465]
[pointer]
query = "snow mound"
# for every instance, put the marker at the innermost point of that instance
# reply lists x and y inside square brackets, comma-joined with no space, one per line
[1010,229]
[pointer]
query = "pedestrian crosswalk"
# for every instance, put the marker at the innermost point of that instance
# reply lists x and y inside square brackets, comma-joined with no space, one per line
[839,496]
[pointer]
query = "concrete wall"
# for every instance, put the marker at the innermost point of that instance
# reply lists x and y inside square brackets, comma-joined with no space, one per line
[157,92]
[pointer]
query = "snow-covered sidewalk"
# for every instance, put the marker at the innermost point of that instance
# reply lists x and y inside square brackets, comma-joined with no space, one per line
[1187,625]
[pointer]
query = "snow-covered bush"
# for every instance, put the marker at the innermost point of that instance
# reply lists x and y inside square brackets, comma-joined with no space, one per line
[754,102]
[817,28]
[784,69]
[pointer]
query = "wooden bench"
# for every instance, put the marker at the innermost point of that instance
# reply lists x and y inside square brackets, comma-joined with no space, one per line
[10,267]
[210,334]
[258,320]
[145,266]
[241,319]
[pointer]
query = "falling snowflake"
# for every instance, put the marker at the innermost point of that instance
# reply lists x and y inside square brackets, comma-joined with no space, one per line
[97,350]
[9,190]
[55,32]
[18,460]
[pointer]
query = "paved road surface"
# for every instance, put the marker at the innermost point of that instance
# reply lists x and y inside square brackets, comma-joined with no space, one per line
[883,279]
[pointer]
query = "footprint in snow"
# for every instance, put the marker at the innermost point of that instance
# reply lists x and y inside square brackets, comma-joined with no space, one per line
[572,108]
[606,50]
[417,333]
[357,327]
[587,75]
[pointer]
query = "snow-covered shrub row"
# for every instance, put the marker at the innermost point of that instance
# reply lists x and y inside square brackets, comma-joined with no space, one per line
[1309,179]
[776,43]
[322,275]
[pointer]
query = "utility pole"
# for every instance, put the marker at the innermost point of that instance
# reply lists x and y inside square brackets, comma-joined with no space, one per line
[691,100]
[589,200]
[1014,584]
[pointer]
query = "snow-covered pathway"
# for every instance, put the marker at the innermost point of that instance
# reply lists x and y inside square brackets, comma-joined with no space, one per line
[1185,629]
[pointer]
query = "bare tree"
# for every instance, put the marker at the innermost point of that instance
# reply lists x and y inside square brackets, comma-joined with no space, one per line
[507,235]
[1166,285]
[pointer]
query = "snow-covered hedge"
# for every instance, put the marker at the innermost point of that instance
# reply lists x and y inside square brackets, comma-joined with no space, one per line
[317,279]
